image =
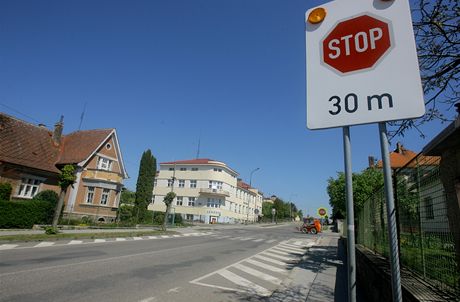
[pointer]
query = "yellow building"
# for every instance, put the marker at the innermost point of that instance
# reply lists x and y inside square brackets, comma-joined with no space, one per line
[206,190]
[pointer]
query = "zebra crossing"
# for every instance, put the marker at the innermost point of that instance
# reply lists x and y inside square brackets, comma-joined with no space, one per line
[4,247]
[259,274]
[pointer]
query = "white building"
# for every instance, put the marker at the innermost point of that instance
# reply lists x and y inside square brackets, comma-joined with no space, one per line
[207,191]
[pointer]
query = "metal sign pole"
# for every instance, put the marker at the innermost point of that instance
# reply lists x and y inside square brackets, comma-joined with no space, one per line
[350,216]
[391,215]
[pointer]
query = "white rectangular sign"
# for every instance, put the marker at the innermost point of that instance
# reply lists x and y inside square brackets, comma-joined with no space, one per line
[362,64]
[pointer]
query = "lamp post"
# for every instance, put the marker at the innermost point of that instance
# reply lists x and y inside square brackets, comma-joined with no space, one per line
[250,184]
[290,206]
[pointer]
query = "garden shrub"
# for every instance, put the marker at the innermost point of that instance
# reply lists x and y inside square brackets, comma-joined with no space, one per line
[25,213]
[5,191]
[47,195]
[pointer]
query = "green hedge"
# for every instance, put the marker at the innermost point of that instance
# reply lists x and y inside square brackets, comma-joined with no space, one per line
[5,191]
[25,213]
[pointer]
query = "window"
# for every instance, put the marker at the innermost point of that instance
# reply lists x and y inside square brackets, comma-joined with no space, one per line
[191,201]
[181,183]
[89,195]
[429,213]
[215,185]
[171,169]
[189,216]
[194,169]
[170,182]
[217,170]
[193,184]
[183,169]
[104,164]
[214,203]
[108,146]
[29,187]
[180,200]
[105,196]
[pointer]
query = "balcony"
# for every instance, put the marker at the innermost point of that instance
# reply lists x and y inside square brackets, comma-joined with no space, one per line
[215,192]
[102,175]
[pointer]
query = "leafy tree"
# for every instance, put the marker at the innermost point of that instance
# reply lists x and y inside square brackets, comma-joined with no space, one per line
[168,201]
[144,185]
[436,28]
[66,178]
[364,184]
[125,209]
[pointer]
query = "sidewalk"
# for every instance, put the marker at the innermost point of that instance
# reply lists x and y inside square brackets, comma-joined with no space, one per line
[319,277]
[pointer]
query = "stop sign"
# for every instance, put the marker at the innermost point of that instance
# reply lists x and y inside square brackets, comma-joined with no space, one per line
[356,44]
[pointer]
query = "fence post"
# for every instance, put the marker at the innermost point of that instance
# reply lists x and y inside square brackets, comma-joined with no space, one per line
[422,241]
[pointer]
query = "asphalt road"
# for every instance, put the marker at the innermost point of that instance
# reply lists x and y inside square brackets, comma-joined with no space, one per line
[222,264]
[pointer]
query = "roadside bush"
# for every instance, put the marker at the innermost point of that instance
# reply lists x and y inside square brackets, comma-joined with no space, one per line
[5,191]
[51,231]
[47,195]
[25,213]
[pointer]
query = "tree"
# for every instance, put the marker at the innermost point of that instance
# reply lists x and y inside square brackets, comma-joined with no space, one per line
[125,209]
[436,28]
[144,185]
[66,178]
[168,201]
[364,184]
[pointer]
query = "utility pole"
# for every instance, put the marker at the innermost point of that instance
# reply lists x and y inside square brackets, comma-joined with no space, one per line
[249,195]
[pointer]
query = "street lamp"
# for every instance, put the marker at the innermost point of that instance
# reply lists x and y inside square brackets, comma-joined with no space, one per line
[290,206]
[250,184]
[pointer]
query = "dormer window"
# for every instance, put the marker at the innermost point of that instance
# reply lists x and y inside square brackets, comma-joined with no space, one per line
[104,164]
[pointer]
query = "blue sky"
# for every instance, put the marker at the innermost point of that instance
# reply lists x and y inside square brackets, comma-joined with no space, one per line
[166,73]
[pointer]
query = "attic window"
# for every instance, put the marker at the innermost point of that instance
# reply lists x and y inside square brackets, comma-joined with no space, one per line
[104,164]
[108,146]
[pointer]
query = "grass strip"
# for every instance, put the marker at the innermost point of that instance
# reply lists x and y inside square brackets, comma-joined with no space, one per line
[55,237]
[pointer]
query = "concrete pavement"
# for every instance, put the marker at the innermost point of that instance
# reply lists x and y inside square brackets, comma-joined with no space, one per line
[320,276]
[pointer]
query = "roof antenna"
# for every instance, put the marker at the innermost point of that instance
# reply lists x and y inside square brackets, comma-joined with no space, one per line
[198,149]
[82,116]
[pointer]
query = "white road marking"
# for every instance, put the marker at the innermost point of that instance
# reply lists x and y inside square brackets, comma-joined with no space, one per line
[175,236]
[246,238]
[266,266]
[284,252]
[75,242]
[270,241]
[298,243]
[188,234]
[284,258]
[99,240]
[165,236]
[152,237]
[258,274]
[270,260]
[120,239]
[259,240]
[287,246]
[44,244]
[138,238]
[289,249]
[235,238]
[151,299]
[8,246]
[174,290]
[240,281]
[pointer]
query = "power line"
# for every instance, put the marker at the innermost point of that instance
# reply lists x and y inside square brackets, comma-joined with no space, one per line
[23,114]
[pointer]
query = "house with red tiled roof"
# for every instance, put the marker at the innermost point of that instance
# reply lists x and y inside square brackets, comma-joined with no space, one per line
[404,158]
[31,157]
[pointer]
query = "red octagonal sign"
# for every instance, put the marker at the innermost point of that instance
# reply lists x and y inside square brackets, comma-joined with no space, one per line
[356,44]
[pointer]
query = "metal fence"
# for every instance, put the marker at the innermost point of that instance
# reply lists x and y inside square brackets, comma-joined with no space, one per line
[426,241]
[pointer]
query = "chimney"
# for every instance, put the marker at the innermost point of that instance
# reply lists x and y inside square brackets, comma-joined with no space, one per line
[399,148]
[371,160]
[57,134]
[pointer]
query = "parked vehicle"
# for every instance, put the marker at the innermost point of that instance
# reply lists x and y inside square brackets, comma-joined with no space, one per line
[311,226]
